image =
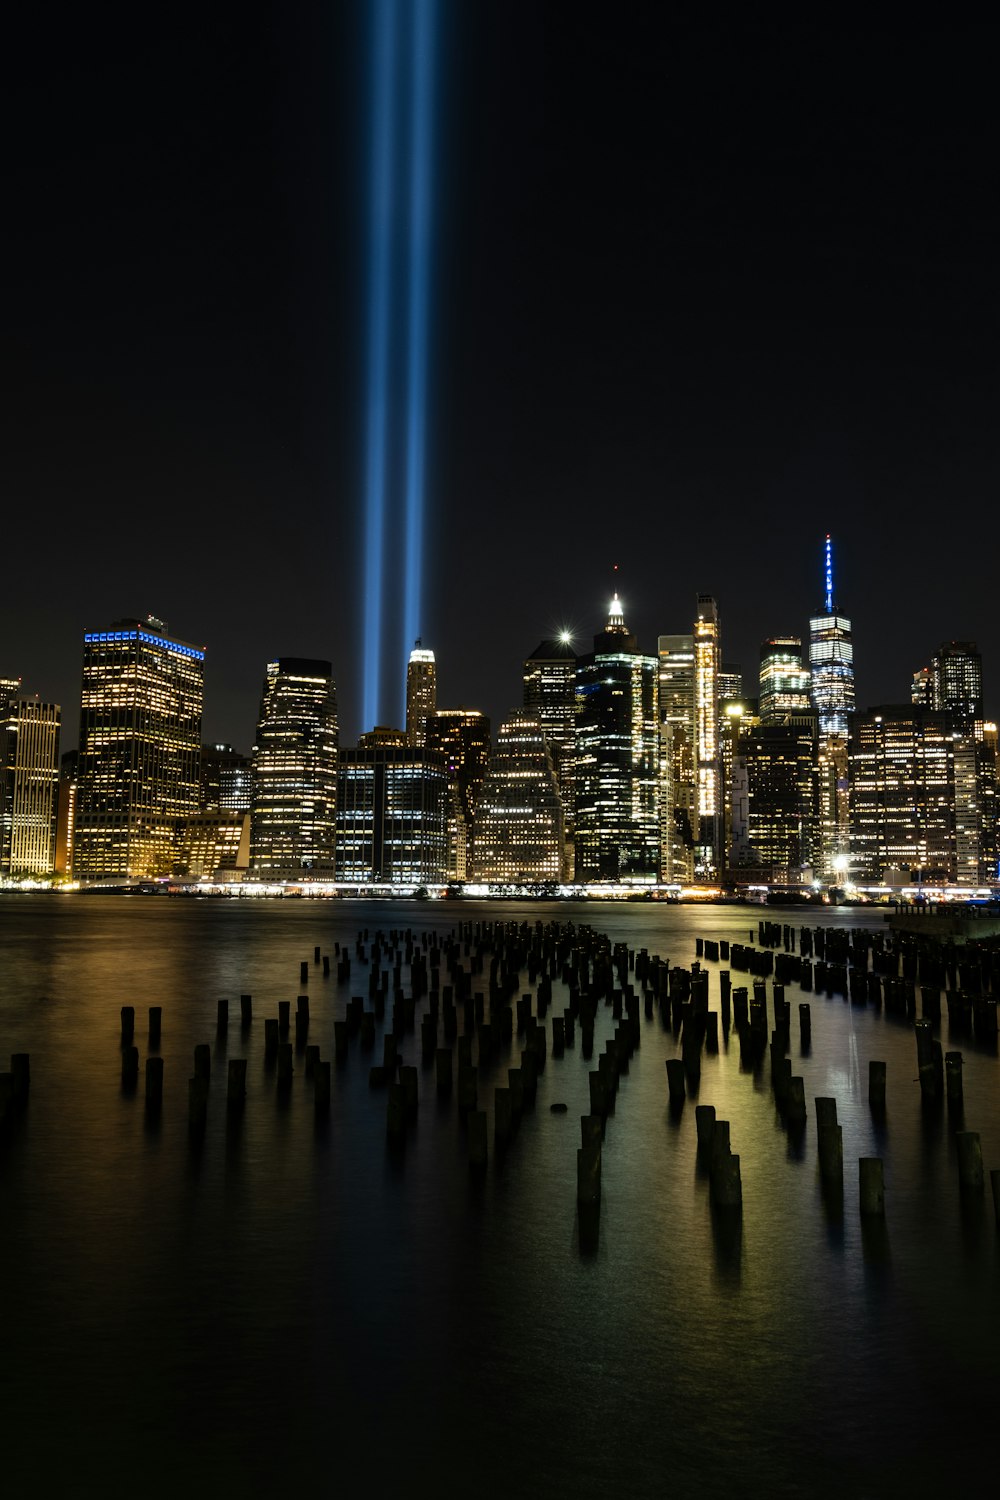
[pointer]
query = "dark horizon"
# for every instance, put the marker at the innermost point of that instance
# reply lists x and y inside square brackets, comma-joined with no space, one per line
[701,294]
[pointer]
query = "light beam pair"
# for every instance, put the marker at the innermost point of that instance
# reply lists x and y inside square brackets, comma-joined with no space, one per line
[403,45]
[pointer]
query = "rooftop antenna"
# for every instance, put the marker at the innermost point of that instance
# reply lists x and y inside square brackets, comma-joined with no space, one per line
[829,574]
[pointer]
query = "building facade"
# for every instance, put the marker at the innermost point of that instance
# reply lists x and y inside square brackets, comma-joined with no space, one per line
[709,851]
[831,661]
[392,813]
[421,693]
[775,801]
[29,775]
[617,759]
[140,749]
[294,773]
[461,737]
[226,780]
[549,677]
[957,677]
[784,682]
[902,808]
[519,829]
[678,757]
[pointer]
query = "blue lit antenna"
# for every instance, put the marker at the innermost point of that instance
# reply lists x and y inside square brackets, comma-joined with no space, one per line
[829,575]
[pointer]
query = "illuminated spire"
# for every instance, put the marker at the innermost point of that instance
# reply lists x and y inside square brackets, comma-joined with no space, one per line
[828,577]
[616,617]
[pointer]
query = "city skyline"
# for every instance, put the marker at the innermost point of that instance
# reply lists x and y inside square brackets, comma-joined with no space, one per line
[346,675]
[658,769]
[657,339]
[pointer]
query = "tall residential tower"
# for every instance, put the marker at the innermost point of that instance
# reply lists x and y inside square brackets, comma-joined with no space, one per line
[831,660]
[617,759]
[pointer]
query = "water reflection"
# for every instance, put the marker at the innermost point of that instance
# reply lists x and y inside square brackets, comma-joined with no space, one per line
[290,1264]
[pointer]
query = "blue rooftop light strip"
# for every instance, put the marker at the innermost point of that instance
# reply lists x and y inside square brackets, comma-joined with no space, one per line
[424,23]
[383,14]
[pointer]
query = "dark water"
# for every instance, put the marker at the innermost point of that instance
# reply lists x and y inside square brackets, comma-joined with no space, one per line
[292,1305]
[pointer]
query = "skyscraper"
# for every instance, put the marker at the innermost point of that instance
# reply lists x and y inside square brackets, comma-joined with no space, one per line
[461,737]
[707,666]
[678,747]
[294,775]
[775,800]
[957,676]
[617,759]
[225,782]
[391,813]
[550,695]
[29,773]
[902,768]
[421,693]
[831,660]
[140,745]
[784,682]
[519,829]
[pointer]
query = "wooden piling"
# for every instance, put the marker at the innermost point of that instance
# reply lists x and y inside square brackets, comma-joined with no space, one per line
[704,1118]
[826,1111]
[155,1022]
[830,1143]
[675,1081]
[598,1094]
[726,1185]
[795,1102]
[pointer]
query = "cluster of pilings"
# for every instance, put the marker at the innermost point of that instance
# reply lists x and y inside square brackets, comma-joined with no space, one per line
[278,1055]
[467,1030]
[443,973]
[837,961]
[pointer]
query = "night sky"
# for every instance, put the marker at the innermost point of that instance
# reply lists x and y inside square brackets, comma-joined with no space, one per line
[701,294]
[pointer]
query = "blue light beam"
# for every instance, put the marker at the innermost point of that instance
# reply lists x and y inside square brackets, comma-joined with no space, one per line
[417,354]
[383,127]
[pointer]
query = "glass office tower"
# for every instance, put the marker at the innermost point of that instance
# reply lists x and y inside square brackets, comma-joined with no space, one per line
[140,750]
